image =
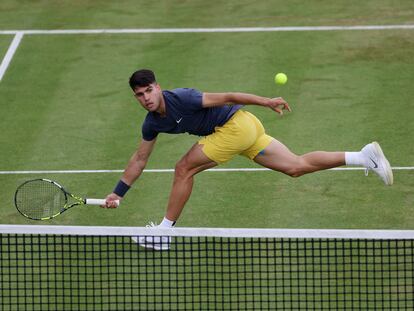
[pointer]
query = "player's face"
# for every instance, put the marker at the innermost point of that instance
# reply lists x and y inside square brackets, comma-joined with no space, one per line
[150,97]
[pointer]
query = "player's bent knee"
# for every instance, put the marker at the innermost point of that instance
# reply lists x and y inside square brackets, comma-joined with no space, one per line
[296,174]
[181,170]
[298,169]
[293,172]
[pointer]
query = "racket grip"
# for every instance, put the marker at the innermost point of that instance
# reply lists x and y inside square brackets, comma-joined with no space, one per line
[98,202]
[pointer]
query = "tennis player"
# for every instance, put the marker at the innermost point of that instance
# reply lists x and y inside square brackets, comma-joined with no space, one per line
[226,130]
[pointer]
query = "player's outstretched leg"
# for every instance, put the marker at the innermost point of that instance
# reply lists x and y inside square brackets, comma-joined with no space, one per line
[278,157]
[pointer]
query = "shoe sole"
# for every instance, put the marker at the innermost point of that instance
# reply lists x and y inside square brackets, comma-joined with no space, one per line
[157,247]
[383,162]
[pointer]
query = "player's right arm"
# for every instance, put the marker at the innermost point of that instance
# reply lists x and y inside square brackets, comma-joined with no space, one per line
[277,104]
[134,169]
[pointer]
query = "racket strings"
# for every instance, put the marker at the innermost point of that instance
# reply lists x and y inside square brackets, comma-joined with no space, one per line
[40,199]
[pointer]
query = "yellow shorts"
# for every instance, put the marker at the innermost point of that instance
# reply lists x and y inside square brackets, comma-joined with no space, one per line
[242,134]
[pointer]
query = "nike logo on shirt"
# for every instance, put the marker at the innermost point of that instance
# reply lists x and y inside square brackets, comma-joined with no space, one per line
[179,120]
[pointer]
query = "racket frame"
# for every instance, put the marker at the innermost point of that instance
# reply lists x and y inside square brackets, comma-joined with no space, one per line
[65,207]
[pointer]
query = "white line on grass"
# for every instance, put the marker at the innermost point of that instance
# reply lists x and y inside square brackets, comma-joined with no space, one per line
[19,33]
[170,170]
[204,30]
[10,52]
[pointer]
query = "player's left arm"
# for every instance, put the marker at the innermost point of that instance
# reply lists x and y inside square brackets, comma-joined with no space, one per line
[277,104]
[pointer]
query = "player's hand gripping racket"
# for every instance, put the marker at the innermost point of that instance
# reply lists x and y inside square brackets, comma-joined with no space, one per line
[42,199]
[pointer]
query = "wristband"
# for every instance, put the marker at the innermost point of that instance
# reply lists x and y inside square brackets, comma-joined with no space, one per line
[121,188]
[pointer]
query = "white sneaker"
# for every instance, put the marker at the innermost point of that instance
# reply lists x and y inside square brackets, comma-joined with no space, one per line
[376,161]
[159,243]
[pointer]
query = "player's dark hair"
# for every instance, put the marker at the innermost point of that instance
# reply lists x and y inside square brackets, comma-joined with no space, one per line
[141,78]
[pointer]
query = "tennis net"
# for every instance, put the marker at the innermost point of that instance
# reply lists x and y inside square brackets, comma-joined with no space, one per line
[101,268]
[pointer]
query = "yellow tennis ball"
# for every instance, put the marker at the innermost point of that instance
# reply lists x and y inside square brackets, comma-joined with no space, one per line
[280,78]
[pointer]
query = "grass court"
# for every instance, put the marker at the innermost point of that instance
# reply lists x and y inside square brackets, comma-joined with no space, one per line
[66,105]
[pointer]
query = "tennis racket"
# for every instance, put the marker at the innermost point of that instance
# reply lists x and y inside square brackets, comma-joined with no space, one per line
[43,199]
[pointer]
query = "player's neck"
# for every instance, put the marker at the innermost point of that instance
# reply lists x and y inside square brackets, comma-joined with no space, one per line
[161,109]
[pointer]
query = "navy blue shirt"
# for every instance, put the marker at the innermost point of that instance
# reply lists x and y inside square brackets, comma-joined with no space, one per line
[185,114]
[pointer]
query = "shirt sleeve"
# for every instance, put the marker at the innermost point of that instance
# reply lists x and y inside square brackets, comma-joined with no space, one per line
[148,132]
[190,99]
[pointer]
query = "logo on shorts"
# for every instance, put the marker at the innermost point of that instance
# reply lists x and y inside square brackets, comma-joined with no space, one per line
[179,120]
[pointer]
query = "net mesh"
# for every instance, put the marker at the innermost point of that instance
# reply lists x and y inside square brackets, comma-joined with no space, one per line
[84,272]
[39,199]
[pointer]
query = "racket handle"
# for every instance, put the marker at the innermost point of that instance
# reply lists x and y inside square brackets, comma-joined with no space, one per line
[98,202]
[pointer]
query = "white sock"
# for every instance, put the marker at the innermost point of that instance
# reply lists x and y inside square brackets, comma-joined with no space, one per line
[166,223]
[354,158]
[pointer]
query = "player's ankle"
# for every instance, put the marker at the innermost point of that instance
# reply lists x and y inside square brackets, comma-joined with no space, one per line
[354,158]
[166,223]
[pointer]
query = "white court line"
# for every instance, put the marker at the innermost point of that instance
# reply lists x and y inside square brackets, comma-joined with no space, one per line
[10,52]
[19,33]
[204,30]
[170,170]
